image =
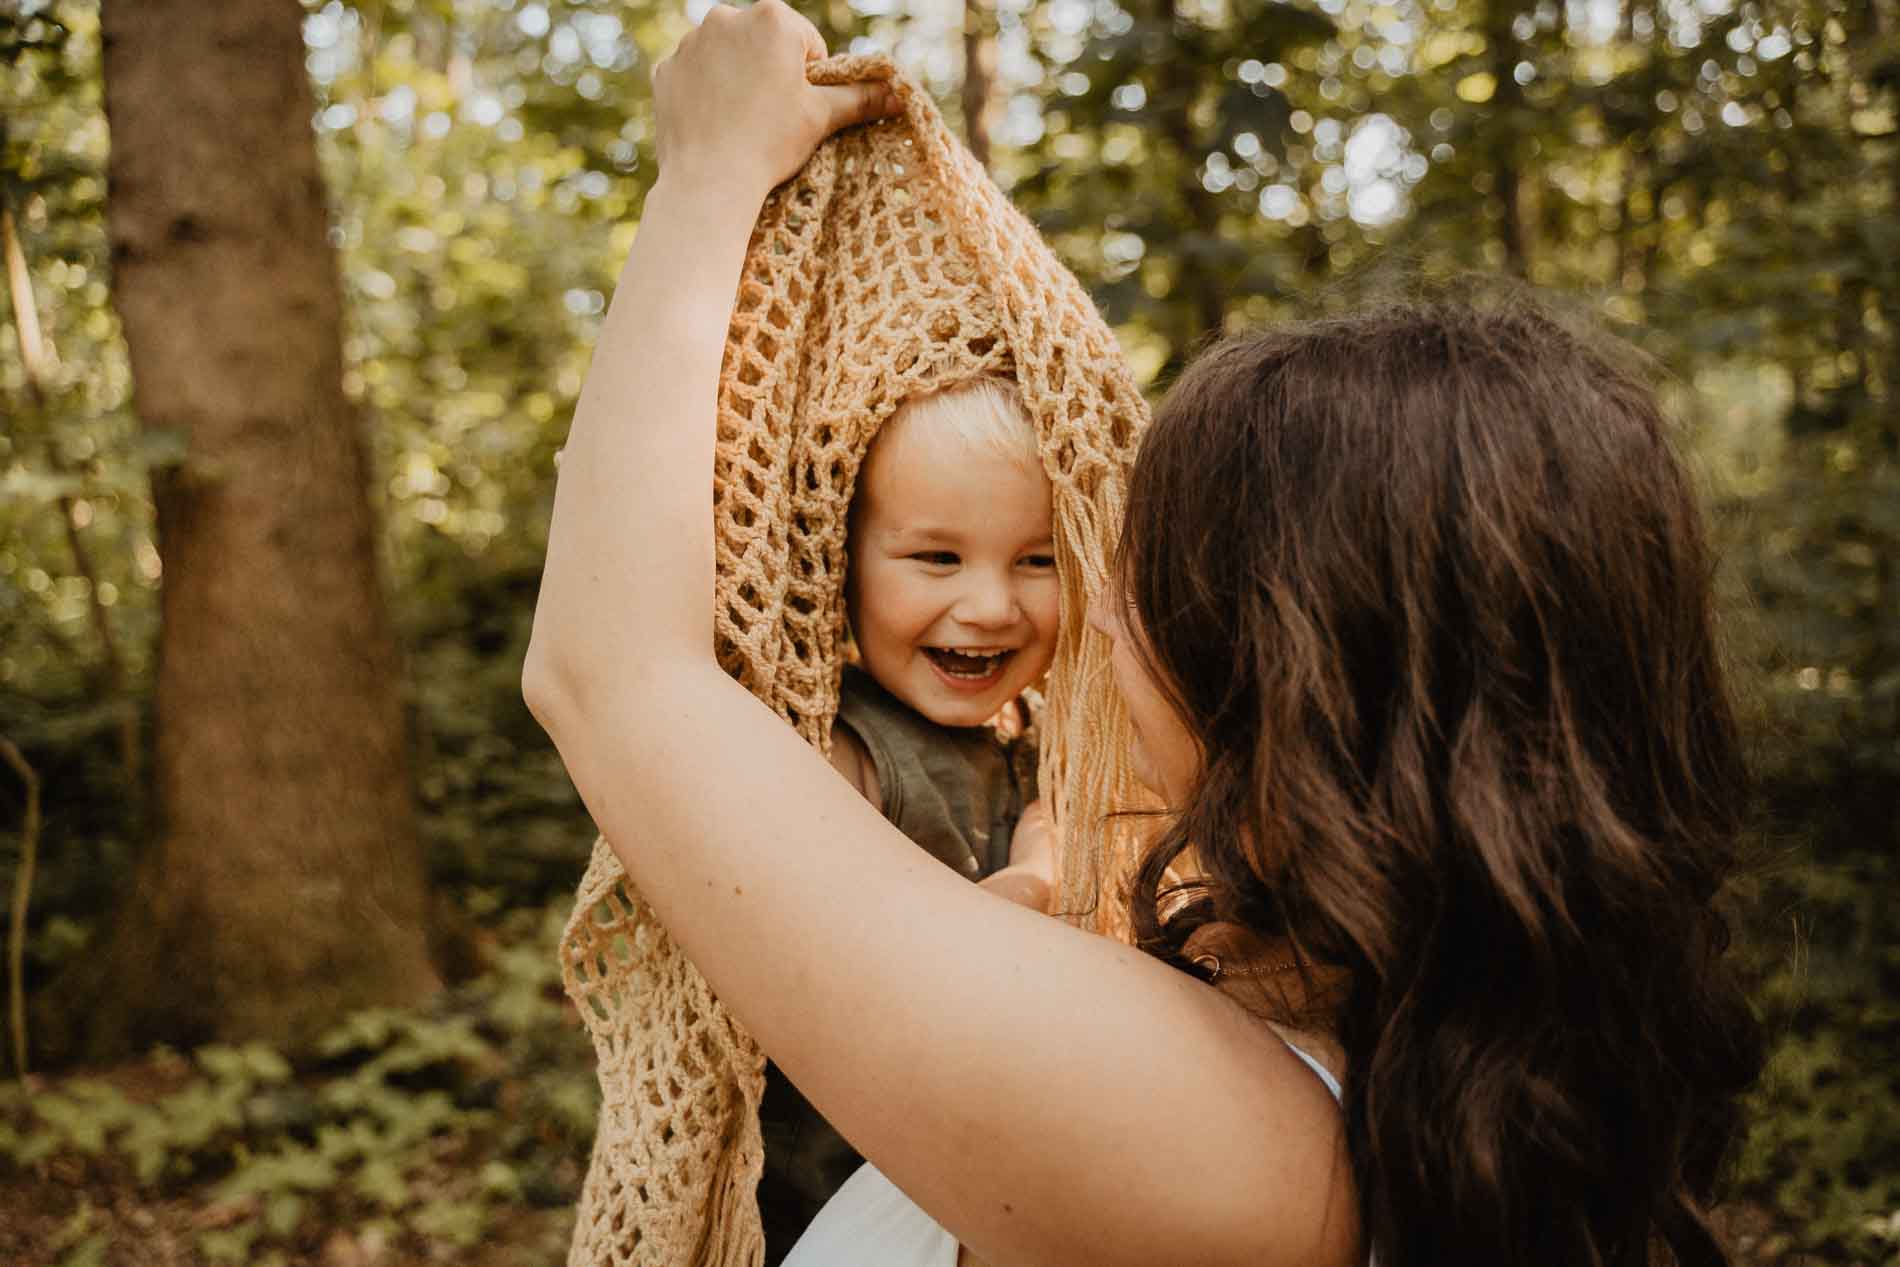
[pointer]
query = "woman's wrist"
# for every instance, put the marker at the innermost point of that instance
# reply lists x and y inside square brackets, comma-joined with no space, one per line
[717,197]
[690,245]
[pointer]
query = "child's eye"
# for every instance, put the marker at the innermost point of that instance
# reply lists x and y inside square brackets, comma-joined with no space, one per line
[1039,561]
[936,558]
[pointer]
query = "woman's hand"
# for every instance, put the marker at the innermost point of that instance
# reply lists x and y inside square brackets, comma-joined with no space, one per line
[732,106]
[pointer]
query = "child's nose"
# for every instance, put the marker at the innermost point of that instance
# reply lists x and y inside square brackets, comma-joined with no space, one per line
[988,602]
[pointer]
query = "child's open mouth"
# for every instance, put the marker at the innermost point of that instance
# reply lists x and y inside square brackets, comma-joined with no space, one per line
[968,669]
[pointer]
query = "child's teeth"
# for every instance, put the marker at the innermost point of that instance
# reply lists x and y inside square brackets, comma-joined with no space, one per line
[967,663]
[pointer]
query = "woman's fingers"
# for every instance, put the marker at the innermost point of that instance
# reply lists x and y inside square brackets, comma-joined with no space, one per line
[845,104]
[814,42]
[856,103]
[733,106]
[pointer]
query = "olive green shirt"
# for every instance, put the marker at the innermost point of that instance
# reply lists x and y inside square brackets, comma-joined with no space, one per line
[957,792]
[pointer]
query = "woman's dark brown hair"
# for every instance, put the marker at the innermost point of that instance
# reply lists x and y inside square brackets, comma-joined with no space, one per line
[1430,586]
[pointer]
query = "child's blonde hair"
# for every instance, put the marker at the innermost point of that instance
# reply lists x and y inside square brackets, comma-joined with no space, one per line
[985,413]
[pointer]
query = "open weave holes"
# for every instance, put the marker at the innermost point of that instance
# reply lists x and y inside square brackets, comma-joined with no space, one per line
[889,267]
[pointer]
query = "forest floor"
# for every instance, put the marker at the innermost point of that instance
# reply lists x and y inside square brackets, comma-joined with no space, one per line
[66,1216]
[65,1213]
[455,1134]
[74,1210]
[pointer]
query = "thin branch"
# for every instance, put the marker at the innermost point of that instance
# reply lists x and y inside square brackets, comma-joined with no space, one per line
[22,894]
[979,77]
[39,358]
[36,354]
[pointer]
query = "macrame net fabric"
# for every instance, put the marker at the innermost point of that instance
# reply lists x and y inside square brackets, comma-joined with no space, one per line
[890,267]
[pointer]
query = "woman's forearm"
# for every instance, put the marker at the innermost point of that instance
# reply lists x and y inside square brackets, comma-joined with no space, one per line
[629,574]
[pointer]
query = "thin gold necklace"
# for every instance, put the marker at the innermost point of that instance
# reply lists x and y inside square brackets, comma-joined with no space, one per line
[1216,970]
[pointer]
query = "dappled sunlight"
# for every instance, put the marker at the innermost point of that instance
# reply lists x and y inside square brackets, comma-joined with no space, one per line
[1716,180]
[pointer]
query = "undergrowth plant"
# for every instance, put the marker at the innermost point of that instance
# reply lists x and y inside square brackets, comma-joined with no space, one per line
[405,1126]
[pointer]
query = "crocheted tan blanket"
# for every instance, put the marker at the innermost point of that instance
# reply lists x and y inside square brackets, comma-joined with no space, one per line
[889,267]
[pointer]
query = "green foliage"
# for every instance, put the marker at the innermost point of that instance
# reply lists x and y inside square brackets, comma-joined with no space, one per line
[1720,180]
[1825,1144]
[1830,1155]
[423,1123]
[78,1242]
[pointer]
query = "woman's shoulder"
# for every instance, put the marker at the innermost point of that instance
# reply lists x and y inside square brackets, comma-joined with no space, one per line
[1262,1060]
[1259,1118]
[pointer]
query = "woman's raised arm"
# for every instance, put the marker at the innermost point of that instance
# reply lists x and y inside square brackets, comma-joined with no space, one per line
[1050,1096]
[629,570]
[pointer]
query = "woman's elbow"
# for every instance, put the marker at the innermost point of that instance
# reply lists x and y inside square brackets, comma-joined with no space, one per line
[576,686]
[545,689]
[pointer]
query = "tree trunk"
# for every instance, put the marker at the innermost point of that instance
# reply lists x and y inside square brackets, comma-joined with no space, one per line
[1178,86]
[284,887]
[979,77]
[1635,186]
[1507,102]
[1886,23]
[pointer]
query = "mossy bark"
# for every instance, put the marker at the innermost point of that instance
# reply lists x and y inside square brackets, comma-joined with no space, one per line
[283,886]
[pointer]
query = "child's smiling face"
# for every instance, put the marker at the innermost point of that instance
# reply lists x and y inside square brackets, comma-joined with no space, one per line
[952,596]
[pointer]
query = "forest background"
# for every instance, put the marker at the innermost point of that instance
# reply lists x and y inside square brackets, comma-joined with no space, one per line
[284,898]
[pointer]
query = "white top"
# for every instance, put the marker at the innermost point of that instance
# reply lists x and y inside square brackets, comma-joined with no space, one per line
[870,1223]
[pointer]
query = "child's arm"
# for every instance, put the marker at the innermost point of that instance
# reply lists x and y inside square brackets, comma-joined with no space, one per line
[1029,879]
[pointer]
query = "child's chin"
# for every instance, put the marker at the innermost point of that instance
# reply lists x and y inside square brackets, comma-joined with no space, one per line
[957,708]
[956,713]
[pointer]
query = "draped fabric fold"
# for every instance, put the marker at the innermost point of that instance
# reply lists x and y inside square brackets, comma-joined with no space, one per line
[889,267]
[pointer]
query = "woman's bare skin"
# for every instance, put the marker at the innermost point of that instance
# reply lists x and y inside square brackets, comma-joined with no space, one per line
[1085,1104]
